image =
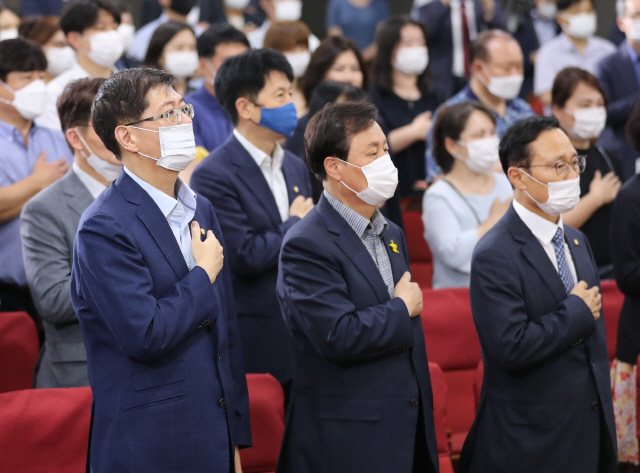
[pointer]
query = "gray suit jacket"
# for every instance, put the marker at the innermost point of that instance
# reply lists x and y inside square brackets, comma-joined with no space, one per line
[49,222]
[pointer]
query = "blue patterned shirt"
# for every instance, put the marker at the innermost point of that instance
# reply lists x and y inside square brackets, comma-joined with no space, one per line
[370,233]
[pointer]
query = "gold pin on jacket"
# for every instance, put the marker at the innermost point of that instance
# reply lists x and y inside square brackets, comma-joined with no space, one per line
[295,189]
[394,247]
[576,242]
[202,232]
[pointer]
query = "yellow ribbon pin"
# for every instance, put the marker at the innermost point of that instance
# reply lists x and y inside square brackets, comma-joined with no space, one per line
[394,247]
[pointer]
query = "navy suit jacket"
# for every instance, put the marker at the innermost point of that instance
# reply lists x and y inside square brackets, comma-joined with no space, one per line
[546,386]
[253,231]
[437,17]
[361,362]
[619,81]
[163,354]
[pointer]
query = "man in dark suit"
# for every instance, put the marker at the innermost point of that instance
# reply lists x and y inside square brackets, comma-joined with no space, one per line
[154,298]
[546,401]
[619,75]
[452,26]
[361,399]
[259,192]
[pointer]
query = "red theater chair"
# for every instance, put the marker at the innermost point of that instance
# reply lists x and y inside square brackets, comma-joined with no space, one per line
[612,300]
[452,342]
[420,258]
[44,430]
[19,349]
[439,386]
[266,406]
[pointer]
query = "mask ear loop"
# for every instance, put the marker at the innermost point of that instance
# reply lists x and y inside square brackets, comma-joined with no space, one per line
[145,129]
[10,89]
[83,142]
[342,182]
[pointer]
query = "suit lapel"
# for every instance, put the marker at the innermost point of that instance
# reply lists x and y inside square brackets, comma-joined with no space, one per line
[79,197]
[294,183]
[580,257]
[393,245]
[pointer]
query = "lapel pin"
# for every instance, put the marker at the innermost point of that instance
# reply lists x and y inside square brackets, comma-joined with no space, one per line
[202,232]
[575,242]
[394,247]
[295,189]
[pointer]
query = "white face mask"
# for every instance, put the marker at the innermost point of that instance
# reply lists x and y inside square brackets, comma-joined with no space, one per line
[547,10]
[634,33]
[60,60]
[236,4]
[109,171]
[505,88]
[8,34]
[413,60]
[563,196]
[31,100]
[299,62]
[106,48]
[483,154]
[582,25]
[288,10]
[382,180]
[177,146]
[589,123]
[182,64]
[127,32]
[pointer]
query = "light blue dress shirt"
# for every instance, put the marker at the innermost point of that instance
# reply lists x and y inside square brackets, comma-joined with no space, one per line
[16,164]
[178,212]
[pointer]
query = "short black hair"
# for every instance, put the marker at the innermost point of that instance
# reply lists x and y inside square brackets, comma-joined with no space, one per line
[564,4]
[74,105]
[219,33]
[79,15]
[159,39]
[182,7]
[330,131]
[122,99]
[329,91]
[567,81]
[514,146]
[244,76]
[20,55]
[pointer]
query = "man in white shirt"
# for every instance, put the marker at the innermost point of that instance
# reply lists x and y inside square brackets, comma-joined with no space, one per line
[259,192]
[91,30]
[536,304]
[48,226]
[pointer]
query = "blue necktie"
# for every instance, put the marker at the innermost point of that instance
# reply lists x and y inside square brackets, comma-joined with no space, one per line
[563,266]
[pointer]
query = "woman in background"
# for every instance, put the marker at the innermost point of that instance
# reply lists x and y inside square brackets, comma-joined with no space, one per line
[45,31]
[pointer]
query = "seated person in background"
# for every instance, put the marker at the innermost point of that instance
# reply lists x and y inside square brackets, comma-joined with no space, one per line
[259,191]
[91,29]
[460,208]
[9,23]
[127,32]
[279,10]
[48,226]
[405,96]
[497,66]
[291,38]
[45,31]
[575,46]
[356,20]
[218,43]
[173,49]
[580,107]
[31,158]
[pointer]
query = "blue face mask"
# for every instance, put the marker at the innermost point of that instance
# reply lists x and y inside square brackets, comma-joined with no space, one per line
[282,120]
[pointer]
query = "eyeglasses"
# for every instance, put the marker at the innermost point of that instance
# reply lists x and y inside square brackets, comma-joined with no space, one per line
[563,168]
[173,116]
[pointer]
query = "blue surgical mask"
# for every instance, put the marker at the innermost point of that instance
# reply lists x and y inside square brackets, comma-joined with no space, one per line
[282,120]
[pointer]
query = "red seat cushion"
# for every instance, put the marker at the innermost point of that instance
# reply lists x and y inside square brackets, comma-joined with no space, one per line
[266,406]
[439,388]
[414,233]
[19,349]
[44,430]
[612,300]
[422,273]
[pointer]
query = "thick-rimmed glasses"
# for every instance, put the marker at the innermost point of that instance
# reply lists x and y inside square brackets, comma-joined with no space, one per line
[173,116]
[563,168]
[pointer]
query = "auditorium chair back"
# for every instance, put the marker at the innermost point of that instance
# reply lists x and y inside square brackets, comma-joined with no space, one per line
[439,387]
[420,258]
[44,430]
[19,349]
[612,300]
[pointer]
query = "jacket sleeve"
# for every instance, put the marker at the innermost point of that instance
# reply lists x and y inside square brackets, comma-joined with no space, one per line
[625,228]
[507,335]
[315,299]
[618,109]
[113,280]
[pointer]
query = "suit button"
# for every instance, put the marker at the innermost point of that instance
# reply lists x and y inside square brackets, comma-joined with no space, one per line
[593,365]
[595,406]
[414,401]
[222,402]
[219,356]
[413,358]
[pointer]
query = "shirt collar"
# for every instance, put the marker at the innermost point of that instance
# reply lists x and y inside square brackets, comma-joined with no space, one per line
[542,229]
[165,202]
[10,132]
[632,53]
[260,157]
[94,186]
[377,225]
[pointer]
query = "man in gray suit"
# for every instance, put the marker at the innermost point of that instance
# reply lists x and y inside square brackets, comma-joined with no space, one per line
[49,222]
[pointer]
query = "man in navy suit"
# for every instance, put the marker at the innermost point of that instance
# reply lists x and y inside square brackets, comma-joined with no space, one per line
[619,75]
[259,192]
[545,404]
[153,295]
[361,399]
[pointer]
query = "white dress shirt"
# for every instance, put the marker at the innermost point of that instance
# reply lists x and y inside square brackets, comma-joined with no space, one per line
[456,31]
[55,87]
[544,231]
[94,186]
[178,212]
[271,168]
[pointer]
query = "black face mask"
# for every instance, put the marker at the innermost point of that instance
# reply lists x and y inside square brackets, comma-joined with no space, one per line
[182,7]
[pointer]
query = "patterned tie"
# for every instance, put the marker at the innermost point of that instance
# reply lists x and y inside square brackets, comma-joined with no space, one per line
[563,266]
